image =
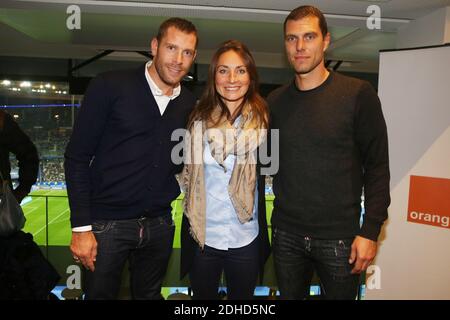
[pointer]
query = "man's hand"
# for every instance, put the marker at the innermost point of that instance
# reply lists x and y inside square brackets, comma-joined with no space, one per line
[84,248]
[363,252]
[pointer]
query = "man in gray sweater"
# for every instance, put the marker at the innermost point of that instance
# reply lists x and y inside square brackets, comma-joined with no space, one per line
[333,144]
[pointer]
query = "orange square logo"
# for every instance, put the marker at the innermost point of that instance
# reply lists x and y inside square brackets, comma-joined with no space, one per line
[429,201]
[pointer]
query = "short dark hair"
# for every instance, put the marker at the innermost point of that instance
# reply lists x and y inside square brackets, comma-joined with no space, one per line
[179,23]
[306,11]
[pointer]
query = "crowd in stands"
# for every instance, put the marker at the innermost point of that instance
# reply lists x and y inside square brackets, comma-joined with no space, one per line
[51,137]
[50,130]
[52,170]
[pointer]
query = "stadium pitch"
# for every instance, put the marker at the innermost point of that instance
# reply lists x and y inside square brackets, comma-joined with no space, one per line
[58,232]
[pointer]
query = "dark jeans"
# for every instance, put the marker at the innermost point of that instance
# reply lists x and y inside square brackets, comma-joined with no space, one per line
[296,257]
[241,271]
[146,243]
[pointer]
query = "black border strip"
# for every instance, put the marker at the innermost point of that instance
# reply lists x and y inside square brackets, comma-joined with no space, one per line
[417,48]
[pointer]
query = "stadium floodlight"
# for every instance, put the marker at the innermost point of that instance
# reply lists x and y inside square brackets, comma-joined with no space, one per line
[25,84]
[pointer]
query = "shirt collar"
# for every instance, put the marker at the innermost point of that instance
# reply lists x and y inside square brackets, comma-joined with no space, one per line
[154,88]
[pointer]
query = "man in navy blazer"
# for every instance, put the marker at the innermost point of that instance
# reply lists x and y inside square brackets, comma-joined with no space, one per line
[119,173]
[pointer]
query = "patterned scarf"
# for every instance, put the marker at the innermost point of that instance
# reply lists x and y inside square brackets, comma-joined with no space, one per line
[240,139]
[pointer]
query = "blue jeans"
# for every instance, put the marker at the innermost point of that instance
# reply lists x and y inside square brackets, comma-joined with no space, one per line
[241,271]
[296,257]
[147,245]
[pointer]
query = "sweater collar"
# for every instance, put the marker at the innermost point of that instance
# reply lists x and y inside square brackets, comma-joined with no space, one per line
[316,89]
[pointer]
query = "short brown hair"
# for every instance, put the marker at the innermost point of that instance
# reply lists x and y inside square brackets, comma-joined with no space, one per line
[179,23]
[306,11]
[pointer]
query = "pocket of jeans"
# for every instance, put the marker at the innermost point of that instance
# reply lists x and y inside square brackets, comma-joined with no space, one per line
[343,247]
[101,226]
[167,221]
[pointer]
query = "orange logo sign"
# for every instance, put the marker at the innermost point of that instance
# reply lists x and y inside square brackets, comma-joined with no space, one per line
[429,201]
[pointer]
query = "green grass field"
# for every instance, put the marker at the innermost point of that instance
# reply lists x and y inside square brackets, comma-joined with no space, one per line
[59,231]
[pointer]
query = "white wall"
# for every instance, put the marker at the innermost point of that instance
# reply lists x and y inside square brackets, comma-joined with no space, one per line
[432,29]
[414,259]
[447,27]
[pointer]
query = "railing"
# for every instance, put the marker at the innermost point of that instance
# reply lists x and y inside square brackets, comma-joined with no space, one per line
[57,251]
[33,211]
[47,211]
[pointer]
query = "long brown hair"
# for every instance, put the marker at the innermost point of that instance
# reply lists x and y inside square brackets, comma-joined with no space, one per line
[210,98]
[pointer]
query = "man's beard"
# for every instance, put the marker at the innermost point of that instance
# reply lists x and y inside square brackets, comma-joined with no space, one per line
[163,75]
[309,69]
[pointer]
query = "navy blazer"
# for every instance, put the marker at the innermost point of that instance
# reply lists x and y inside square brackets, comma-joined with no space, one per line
[118,162]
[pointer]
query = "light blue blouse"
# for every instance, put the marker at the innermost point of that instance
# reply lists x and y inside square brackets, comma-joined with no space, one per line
[223,228]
